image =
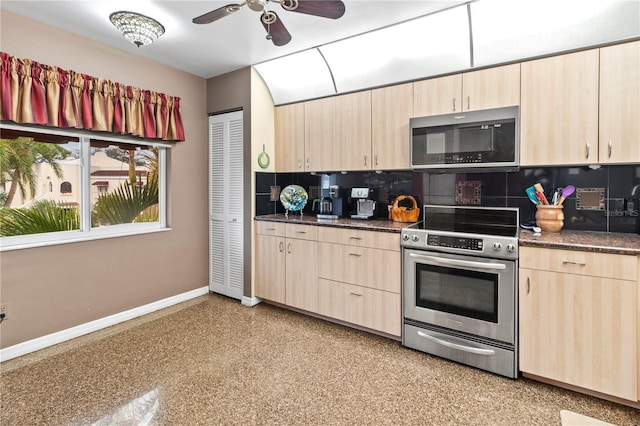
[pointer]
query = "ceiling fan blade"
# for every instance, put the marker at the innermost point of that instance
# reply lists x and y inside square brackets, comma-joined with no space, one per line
[219,13]
[333,9]
[276,31]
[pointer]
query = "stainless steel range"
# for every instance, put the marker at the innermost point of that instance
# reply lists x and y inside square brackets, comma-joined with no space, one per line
[459,283]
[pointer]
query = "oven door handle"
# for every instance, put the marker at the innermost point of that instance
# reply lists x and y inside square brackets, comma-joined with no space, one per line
[462,263]
[470,349]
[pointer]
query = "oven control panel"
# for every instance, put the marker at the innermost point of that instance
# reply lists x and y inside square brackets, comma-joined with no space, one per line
[489,246]
[474,244]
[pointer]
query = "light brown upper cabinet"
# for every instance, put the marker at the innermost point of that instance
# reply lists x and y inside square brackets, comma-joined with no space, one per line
[391,108]
[320,134]
[289,135]
[352,145]
[559,110]
[488,88]
[437,96]
[491,88]
[620,103]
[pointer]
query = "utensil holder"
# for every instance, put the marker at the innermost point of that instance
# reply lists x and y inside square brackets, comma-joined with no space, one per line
[550,218]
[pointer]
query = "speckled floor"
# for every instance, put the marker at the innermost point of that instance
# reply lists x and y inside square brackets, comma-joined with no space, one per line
[213,361]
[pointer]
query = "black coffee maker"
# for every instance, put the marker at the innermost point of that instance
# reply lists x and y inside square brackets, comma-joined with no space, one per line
[340,201]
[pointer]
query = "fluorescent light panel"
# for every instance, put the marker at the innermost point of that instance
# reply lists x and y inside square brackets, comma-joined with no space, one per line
[508,30]
[303,75]
[431,45]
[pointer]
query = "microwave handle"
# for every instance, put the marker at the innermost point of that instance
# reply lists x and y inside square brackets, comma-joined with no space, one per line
[462,263]
[470,349]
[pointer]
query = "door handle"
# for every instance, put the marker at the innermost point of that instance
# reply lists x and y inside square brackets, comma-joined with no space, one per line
[281,246]
[462,263]
[452,345]
[570,262]
[289,248]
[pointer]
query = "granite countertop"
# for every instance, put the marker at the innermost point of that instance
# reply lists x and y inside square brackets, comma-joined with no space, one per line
[603,242]
[380,225]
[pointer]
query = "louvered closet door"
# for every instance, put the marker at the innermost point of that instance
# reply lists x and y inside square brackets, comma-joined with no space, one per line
[226,248]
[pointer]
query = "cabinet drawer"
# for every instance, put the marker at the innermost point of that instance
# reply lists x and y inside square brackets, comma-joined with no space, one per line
[302,232]
[354,237]
[270,228]
[375,309]
[374,268]
[604,265]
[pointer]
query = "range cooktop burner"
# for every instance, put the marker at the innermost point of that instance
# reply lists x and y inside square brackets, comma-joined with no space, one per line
[472,220]
[481,231]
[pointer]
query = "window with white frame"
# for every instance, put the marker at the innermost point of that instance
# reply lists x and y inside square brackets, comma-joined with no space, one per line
[58,186]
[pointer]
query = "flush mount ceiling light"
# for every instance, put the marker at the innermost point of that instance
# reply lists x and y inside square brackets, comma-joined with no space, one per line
[138,29]
[276,31]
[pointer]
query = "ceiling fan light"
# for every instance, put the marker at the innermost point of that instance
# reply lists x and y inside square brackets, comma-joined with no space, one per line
[138,29]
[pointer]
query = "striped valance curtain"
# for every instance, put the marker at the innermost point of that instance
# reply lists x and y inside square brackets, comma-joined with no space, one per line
[34,93]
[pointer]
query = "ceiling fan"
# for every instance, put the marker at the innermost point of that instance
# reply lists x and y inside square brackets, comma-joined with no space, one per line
[276,31]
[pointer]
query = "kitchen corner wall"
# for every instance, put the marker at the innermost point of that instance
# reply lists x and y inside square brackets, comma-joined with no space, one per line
[606,198]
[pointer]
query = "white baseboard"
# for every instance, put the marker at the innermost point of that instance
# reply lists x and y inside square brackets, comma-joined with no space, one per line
[89,327]
[250,301]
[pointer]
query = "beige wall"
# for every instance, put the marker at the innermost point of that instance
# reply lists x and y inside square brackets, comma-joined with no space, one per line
[54,288]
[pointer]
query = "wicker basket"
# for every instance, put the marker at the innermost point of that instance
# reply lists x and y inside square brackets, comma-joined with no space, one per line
[405,214]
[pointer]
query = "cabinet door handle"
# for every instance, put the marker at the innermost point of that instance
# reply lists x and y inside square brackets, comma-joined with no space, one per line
[587,151]
[376,159]
[299,164]
[281,246]
[454,104]
[355,238]
[468,102]
[307,164]
[365,159]
[355,255]
[301,232]
[289,248]
[528,285]
[610,149]
[270,229]
[356,294]
[571,262]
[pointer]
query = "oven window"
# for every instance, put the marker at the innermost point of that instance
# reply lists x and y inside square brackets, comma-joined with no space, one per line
[470,294]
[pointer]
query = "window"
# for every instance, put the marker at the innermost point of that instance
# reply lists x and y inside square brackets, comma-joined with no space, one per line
[65,188]
[59,187]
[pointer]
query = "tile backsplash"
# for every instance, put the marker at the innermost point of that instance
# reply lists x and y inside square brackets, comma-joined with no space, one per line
[618,210]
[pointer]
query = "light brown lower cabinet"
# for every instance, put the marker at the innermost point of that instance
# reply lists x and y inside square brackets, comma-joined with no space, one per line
[578,328]
[286,270]
[350,275]
[360,278]
[366,307]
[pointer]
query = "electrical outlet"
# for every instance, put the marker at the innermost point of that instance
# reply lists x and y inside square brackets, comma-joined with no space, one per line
[4,309]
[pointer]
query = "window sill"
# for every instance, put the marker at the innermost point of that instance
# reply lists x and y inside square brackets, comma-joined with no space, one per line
[53,239]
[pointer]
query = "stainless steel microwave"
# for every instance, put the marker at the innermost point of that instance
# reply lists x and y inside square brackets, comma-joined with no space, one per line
[470,140]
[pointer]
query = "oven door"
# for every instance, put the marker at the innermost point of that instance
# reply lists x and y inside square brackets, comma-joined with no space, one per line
[467,294]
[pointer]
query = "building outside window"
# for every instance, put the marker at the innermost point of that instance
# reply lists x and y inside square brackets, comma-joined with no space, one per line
[48,196]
